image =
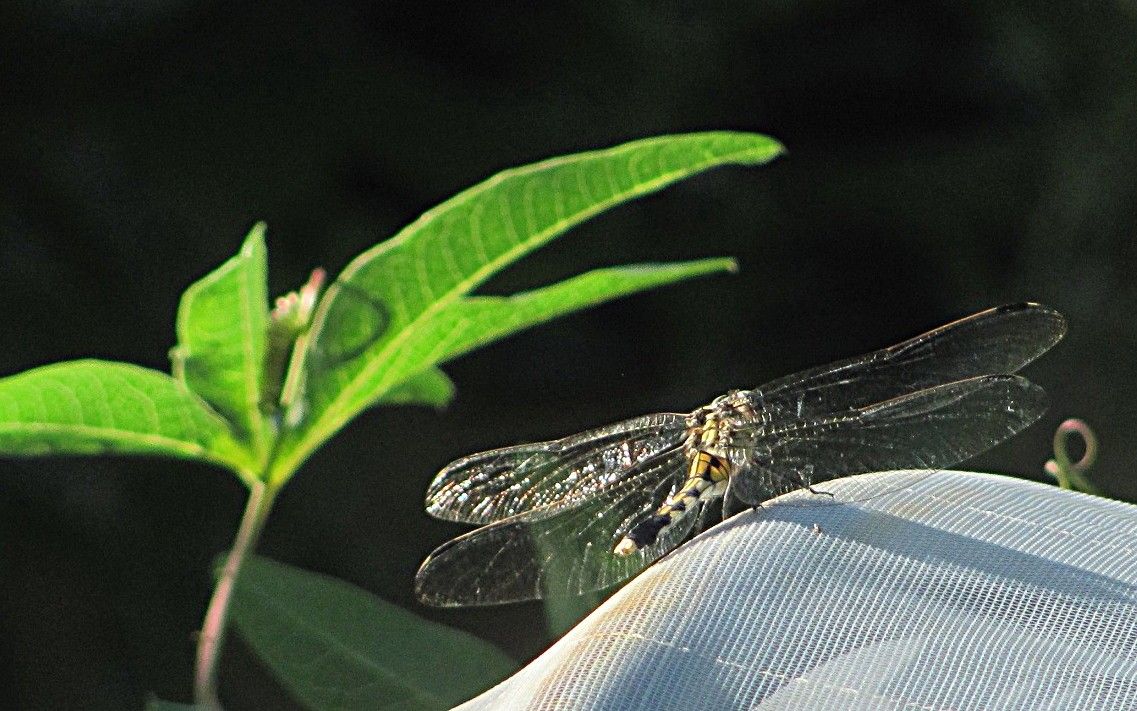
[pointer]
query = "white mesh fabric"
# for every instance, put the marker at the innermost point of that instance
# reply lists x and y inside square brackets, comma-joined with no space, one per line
[963,591]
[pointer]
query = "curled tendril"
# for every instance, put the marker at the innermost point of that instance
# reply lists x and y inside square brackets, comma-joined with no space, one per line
[1070,474]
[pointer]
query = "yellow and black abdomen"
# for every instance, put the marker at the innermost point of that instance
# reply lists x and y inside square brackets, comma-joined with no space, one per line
[706,477]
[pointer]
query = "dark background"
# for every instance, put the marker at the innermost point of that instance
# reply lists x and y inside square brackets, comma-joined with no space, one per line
[943,157]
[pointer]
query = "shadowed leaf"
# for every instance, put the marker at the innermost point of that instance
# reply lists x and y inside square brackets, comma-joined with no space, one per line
[430,387]
[335,646]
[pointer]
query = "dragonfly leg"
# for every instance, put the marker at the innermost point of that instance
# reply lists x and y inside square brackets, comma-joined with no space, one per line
[731,503]
[803,481]
[707,516]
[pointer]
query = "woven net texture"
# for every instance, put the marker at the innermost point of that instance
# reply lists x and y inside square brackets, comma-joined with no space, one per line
[953,590]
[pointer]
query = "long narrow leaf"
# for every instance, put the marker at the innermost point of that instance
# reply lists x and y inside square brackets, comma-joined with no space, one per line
[475,321]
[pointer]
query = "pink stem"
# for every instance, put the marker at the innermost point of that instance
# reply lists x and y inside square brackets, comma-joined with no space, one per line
[216,620]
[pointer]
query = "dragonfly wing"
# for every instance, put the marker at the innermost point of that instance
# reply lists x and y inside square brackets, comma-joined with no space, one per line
[929,429]
[548,476]
[997,341]
[566,553]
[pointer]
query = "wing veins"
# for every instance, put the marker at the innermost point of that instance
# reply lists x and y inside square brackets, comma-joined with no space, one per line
[998,341]
[476,568]
[933,428]
[489,487]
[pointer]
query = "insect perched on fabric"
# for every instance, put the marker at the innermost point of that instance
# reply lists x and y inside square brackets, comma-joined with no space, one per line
[582,513]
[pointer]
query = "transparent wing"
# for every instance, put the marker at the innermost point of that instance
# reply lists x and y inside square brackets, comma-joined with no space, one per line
[997,341]
[929,429]
[566,553]
[548,476]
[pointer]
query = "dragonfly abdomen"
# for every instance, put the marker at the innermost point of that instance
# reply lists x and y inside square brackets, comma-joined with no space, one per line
[707,478]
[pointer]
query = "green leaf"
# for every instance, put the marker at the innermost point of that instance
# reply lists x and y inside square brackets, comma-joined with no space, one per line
[472,322]
[475,321]
[419,278]
[334,646]
[221,327]
[91,407]
[430,387]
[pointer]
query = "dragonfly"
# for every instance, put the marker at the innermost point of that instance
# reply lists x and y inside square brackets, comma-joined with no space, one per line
[583,513]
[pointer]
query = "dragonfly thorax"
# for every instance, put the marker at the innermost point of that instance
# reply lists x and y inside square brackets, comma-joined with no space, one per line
[711,428]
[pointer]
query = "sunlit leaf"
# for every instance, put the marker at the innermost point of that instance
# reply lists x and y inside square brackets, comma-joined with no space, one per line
[420,278]
[221,326]
[475,321]
[92,406]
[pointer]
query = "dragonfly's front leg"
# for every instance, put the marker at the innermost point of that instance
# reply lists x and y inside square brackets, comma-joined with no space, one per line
[805,479]
[731,503]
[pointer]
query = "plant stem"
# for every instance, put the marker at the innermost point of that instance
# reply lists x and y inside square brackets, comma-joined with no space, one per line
[216,620]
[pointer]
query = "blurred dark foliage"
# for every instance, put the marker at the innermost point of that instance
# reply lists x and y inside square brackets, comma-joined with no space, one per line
[943,157]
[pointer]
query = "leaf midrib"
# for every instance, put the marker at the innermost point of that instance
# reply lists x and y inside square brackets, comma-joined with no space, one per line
[251,375]
[155,440]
